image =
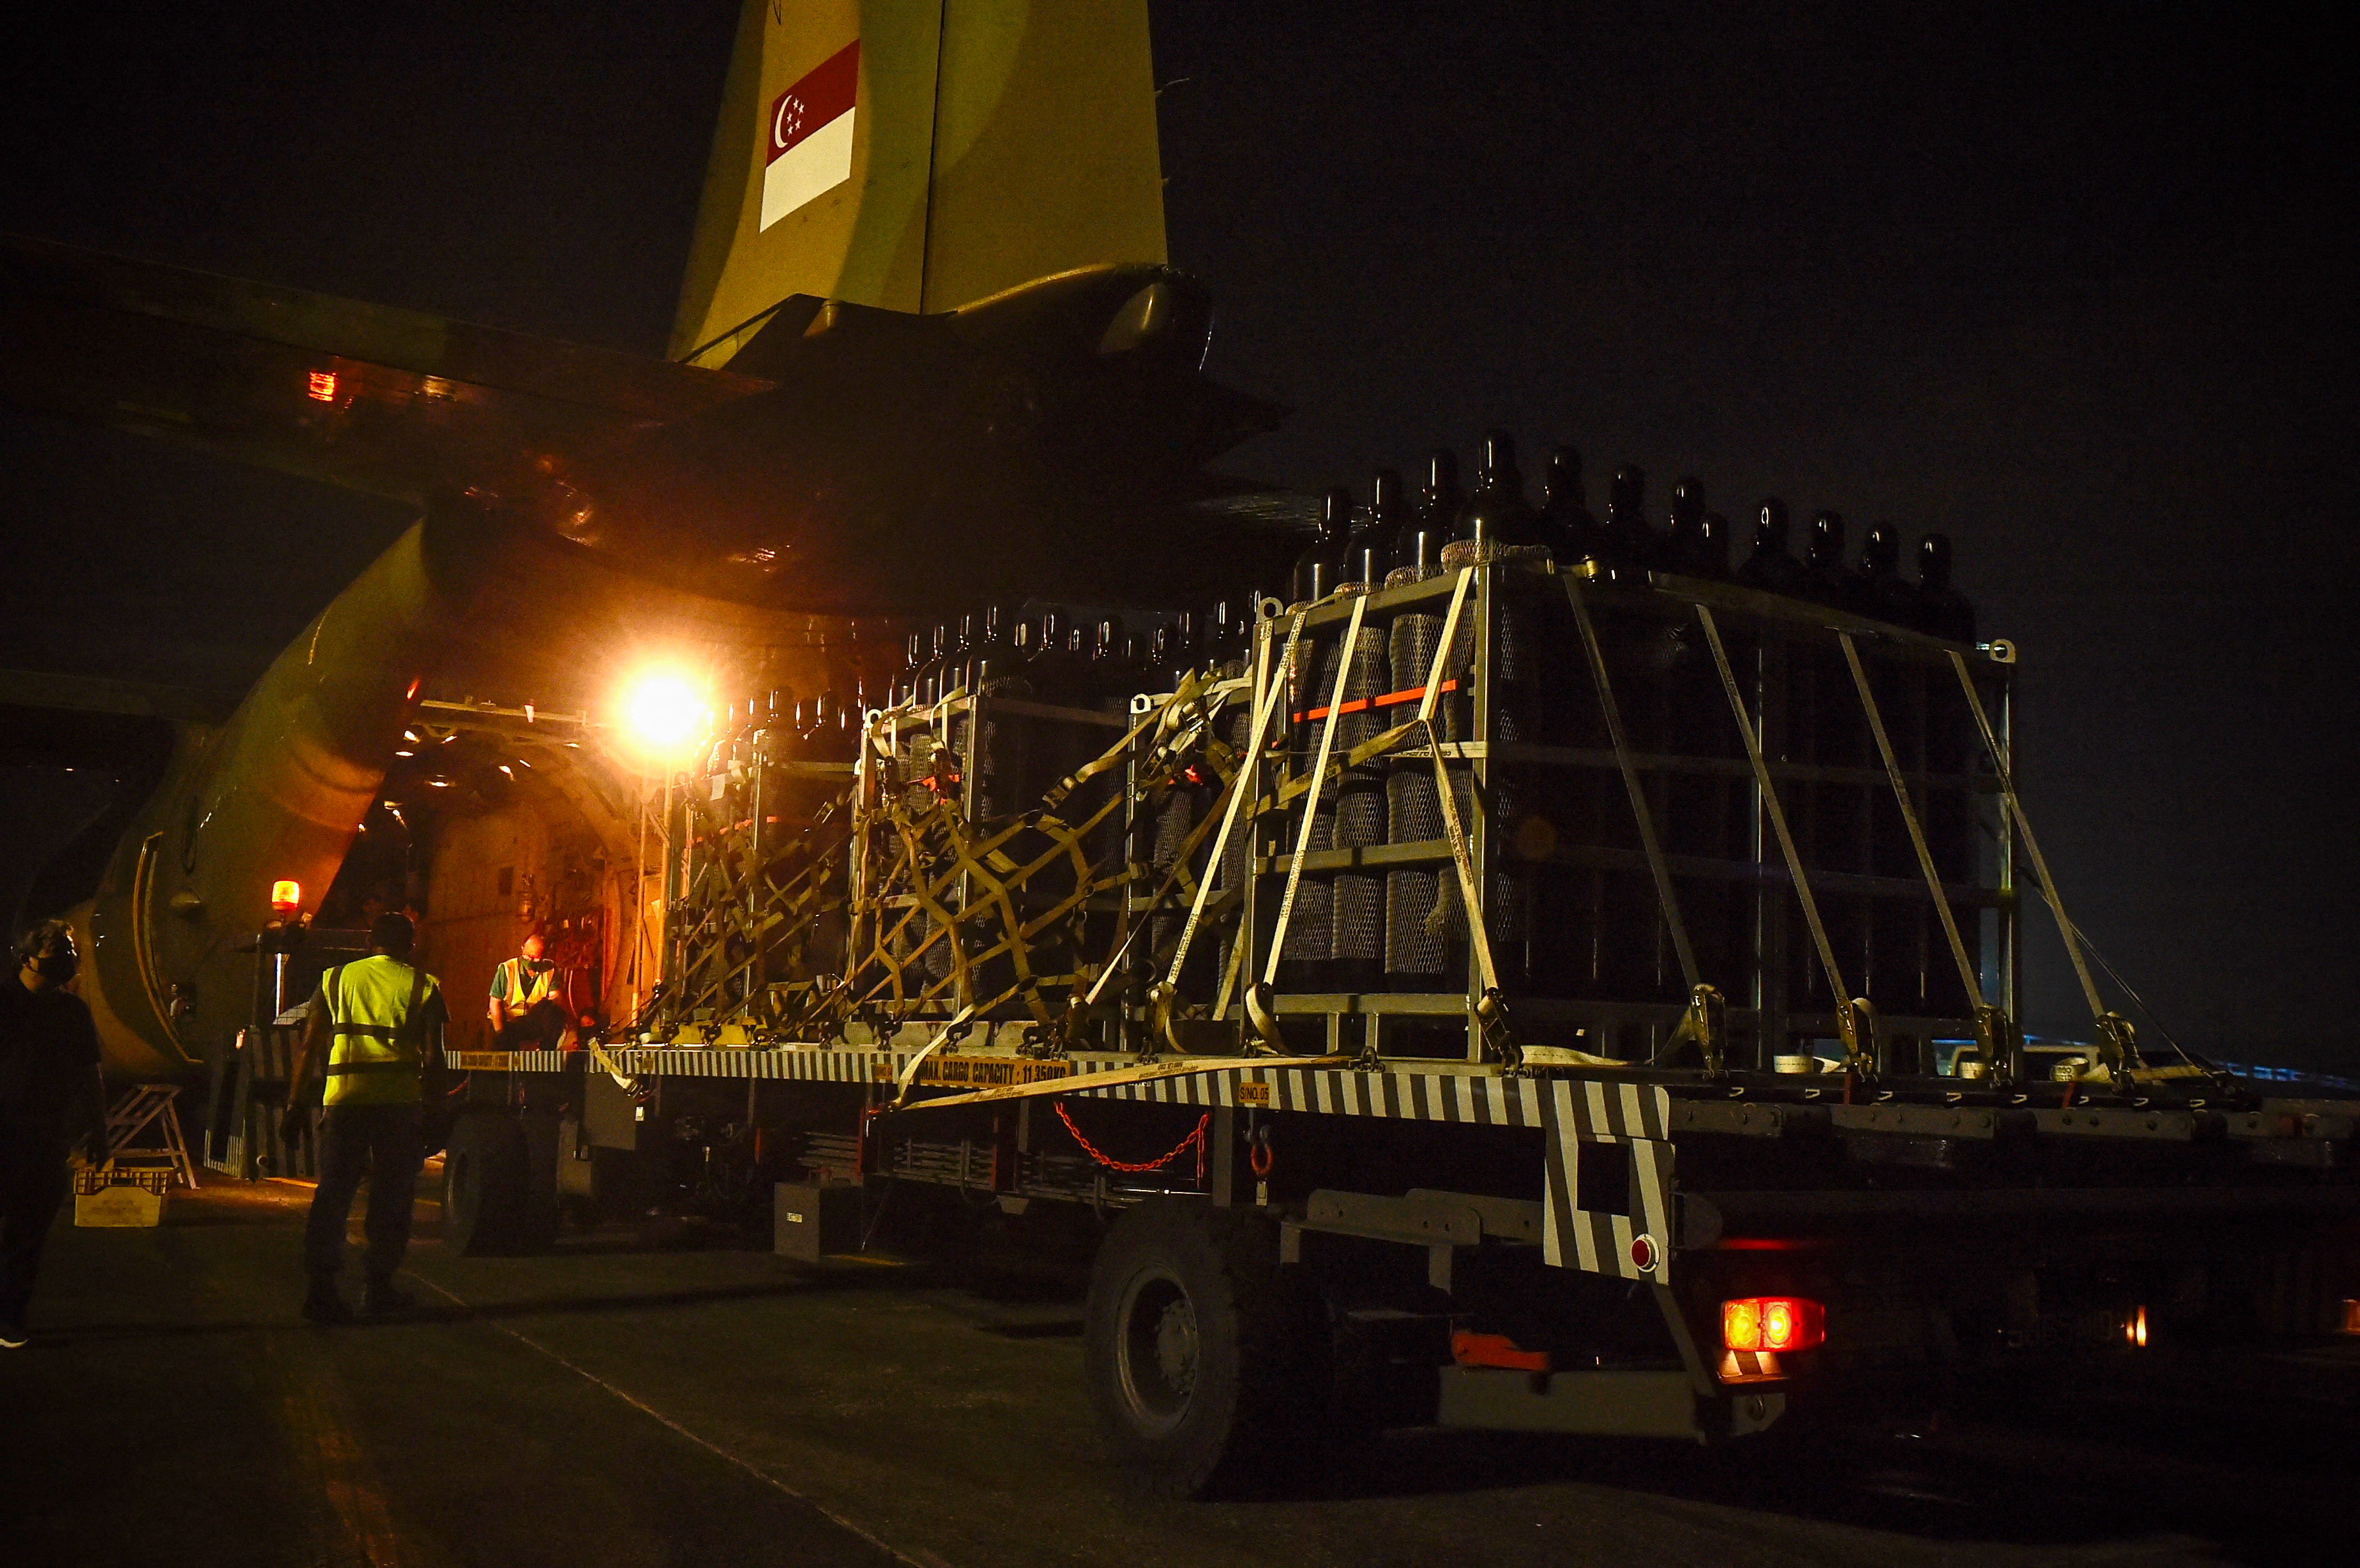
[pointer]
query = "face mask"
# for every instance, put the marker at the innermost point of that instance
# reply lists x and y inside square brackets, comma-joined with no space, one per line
[56,966]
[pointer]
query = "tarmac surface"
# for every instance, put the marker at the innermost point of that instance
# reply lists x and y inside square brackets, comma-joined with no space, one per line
[717,1406]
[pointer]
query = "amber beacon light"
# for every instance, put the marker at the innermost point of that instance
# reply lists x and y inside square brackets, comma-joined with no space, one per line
[286,897]
[1773,1322]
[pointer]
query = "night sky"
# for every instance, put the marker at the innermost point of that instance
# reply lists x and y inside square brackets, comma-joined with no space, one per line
[2076,289]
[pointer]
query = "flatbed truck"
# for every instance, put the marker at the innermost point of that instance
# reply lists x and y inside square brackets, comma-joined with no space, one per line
[1531,998]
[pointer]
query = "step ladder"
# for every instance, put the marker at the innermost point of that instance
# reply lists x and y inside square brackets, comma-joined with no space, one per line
[148,1109]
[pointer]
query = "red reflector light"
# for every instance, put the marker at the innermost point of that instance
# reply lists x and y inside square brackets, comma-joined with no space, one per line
[1772,1322]
[1496,1350]
[324,386]
[286,896]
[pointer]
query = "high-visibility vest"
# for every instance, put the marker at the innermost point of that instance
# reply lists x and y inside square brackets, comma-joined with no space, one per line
[377,1014]
[521,990]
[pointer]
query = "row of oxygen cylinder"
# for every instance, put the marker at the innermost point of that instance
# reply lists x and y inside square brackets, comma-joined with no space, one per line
[1400,927]
[1404,927]
[1571,931]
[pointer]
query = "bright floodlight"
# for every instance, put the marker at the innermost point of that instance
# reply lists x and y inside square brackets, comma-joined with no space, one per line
[664,713]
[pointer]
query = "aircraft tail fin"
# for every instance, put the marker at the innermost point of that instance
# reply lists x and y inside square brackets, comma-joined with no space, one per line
[918,155]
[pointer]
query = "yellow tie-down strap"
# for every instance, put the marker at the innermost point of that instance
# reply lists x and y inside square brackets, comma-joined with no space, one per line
[1071,1082]
[1569,1111]
[953,1072]
[1597,1108]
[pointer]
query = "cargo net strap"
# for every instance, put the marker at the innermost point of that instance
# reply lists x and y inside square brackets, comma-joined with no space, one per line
[2031,847]
[1489,1009]
[946,914]
[932,848]
[1260,1009]
[1261,1000]
[1853,1020]
[941,916]
[746,919]
[1165,996]
[1656,865]
[2117,1044]
[943,899]
[1967,976]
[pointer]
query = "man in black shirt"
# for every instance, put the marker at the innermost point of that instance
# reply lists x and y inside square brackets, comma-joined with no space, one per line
[51,1096]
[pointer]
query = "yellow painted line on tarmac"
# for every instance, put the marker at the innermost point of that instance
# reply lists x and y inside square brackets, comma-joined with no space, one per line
[319,1423]
[345,1477]
[917,1558]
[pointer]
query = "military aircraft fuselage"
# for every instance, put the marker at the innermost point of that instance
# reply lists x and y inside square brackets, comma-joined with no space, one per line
[1047,441]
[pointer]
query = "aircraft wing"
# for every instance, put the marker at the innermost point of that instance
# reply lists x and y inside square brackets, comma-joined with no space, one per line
[54,692]
[394,402]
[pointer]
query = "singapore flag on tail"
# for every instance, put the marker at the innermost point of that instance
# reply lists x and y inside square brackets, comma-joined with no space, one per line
[811,135]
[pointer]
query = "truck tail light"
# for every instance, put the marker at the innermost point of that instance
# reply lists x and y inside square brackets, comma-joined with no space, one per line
[1773,1322]
[1496,1350]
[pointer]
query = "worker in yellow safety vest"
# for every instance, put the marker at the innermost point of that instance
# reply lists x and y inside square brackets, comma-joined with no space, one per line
[526,1011]
[377,1024]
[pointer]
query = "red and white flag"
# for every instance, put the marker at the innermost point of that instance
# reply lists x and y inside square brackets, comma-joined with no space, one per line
[811,135]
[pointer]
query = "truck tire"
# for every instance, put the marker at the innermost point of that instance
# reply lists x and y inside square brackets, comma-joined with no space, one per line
[484,1186]
[1203,1357]
[538,1214]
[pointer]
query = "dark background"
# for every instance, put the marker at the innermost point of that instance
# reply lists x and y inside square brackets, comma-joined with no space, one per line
[2075,286]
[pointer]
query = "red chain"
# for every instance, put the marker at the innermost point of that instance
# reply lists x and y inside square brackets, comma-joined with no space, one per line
[1196,1137]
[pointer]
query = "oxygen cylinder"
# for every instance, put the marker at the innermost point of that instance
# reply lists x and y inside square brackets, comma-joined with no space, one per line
[1416,955]
[1418,542]
[1626,544]
[999,670]
[1181,808]
[1234,655]
[1046,668]
[914,659]
[1357,916]
[1114,674]
[1316,568]
[1496,517]
[1942,609]
[1713,542]
[1567,526]
[1876,588]
[1823,567]
[940,641]
[1369,548]
[1684,544]
[1183,651]
[1769,566]
[1307,958]
[1416,950]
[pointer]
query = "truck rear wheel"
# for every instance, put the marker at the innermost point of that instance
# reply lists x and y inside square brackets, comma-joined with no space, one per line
[1203,1358]
[484,1186]
[538,1216]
